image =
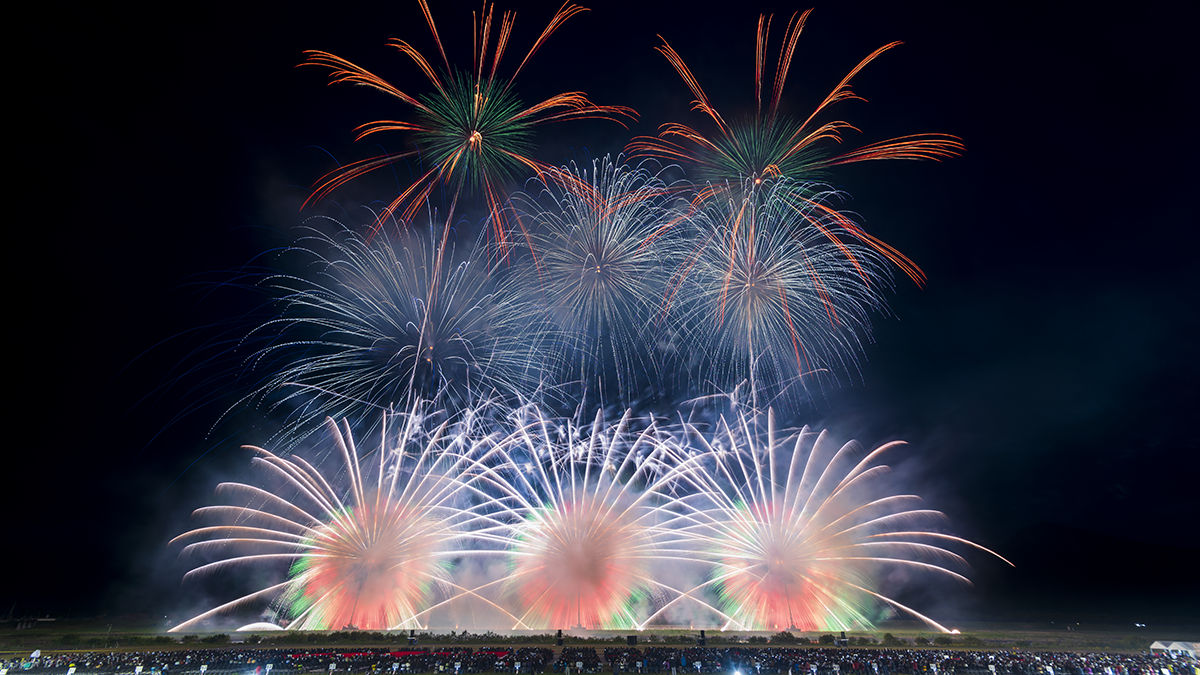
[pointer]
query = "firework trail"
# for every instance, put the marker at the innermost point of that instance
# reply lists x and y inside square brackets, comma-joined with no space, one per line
[472,131]
[774,144]
[358,330]
[602,268]
[374,555]
[797,527]
[767,296]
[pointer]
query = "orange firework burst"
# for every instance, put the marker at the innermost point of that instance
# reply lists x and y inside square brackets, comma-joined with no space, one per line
[472,130]
[771,144]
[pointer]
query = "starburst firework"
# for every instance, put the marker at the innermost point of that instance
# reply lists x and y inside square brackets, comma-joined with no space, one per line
[773,144]
[472,131]
[389,320]
[769,295]
[601,268]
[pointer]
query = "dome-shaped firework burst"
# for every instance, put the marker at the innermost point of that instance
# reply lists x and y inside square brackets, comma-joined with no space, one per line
[378,323]
[373,555]
[797,527]
[585,514]
[600,267]
[601,526]
[769,296]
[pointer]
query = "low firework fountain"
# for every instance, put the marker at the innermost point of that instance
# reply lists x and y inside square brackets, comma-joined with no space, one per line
[370,556]
[586,519]
[796,527]
[791,529]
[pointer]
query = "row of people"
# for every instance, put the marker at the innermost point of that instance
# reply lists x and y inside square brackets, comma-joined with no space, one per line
[587,661]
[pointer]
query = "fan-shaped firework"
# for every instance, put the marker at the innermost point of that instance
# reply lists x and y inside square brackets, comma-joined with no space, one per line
[472,130]
[797,526]
[601,525]
[601,268]
[389,320]
[373,556]
[587,517]
[773,144]
[769,294]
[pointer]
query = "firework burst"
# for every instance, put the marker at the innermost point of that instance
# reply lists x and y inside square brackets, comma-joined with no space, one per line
[602,269]
[600,525]
[389,320]
[371,556]
[586,514]
[620,279]
[472,131]
[772,144]
[769,295]
[797,527]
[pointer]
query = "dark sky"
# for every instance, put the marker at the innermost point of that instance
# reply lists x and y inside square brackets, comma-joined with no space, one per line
[1046,376]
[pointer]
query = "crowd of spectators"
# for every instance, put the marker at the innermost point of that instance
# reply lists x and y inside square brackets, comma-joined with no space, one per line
[448,660]
[587,661]
[849,661]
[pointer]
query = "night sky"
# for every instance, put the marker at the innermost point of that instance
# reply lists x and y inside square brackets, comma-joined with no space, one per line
[1046,376]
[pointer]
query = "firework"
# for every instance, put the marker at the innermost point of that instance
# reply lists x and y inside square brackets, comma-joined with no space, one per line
[601,268]
[774,144]
[621,279]
[601,525]
[586,515]
[472,131]
[389,320]
[371,556]
[797,527]
[768,296]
